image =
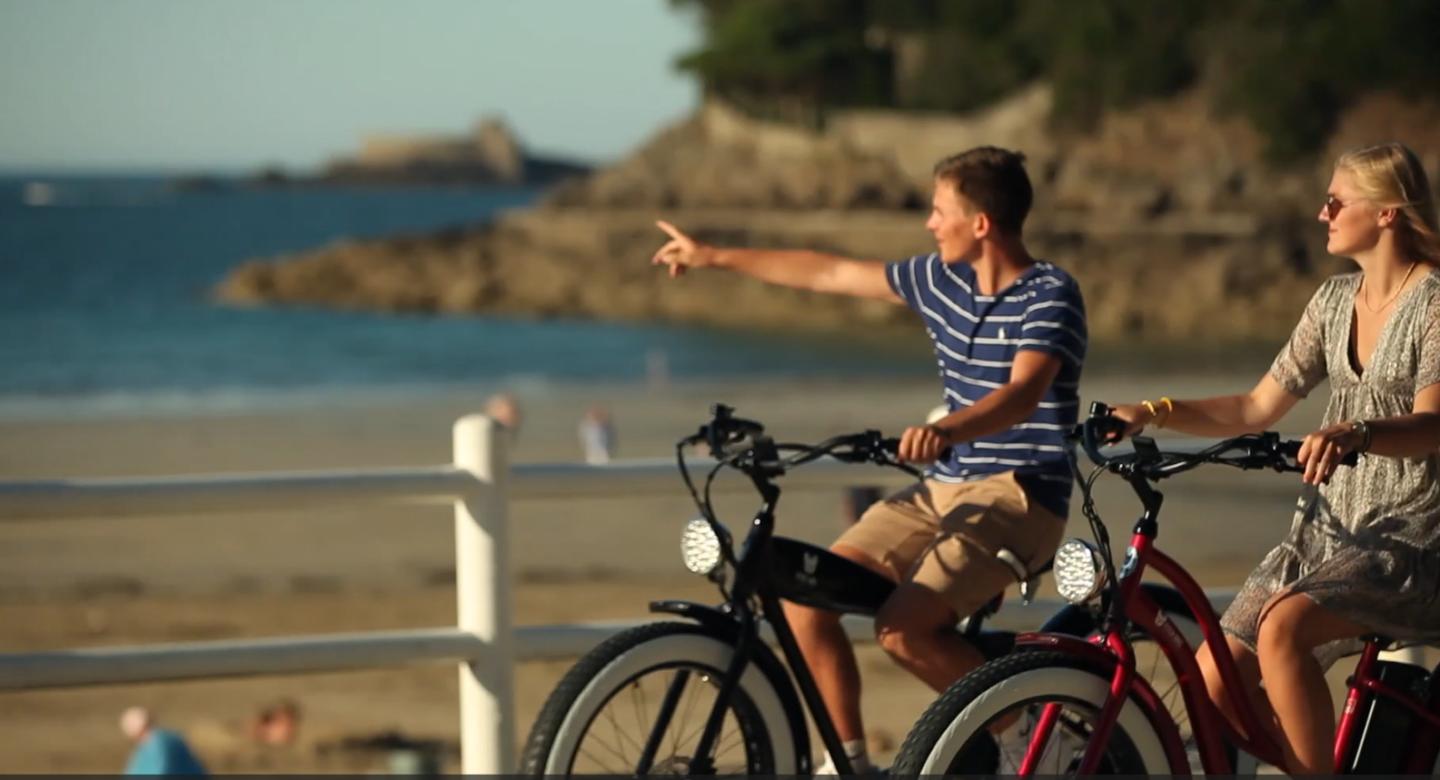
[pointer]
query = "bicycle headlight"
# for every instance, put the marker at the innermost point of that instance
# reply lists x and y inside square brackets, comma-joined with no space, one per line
[699,547]
[1079,571]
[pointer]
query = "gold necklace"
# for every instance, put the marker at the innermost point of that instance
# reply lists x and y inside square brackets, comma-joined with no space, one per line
[1365,299]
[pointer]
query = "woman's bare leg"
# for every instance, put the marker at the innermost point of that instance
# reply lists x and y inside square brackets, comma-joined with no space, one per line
[1290,630]
[1248,667]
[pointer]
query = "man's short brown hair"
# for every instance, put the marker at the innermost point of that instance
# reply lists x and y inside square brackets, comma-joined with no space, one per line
[994,181]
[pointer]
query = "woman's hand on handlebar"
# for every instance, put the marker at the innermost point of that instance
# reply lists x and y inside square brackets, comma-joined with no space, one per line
[1135,417]
[1322,451]
[922,444]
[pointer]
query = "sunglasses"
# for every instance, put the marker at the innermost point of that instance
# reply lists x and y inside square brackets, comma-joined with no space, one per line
[1332,206]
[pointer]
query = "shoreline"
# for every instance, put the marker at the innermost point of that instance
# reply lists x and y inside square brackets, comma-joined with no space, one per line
[1107,366]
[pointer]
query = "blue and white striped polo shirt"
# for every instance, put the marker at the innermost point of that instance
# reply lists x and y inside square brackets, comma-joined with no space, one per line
[976,338]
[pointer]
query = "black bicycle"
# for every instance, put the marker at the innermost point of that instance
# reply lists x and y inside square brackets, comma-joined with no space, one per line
[708,695]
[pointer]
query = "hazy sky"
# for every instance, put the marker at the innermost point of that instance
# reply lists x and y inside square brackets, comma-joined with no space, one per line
[235,84]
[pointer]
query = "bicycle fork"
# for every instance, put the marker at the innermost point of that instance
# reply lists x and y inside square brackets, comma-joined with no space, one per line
[1104,725]
[1113,637]
[703,762]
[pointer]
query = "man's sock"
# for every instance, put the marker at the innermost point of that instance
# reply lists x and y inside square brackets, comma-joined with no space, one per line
[855,751]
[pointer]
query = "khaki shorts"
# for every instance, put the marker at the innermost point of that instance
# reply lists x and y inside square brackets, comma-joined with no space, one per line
[944,536]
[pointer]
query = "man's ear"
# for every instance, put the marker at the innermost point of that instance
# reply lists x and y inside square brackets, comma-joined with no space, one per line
[982,225]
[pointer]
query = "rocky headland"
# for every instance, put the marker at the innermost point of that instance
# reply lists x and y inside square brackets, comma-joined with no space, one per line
[490,154]
[1165,212]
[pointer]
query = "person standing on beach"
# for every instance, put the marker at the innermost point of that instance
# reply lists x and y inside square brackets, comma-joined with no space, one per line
[1009,335]
[157,751]
[597,435]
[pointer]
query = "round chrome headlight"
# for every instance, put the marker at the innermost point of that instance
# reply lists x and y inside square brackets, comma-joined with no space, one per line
[699,547]
[1079,571]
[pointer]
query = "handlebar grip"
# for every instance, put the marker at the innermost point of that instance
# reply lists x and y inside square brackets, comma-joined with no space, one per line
[892,446]
[1099,425]
[1291,449]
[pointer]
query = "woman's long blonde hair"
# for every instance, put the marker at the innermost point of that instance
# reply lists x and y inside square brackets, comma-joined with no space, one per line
[1391,176]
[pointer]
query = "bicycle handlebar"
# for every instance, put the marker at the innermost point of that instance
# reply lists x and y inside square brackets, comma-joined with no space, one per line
[744,445]
[1249,451]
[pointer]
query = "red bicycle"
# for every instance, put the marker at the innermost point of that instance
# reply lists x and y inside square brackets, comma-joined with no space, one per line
[1065,705]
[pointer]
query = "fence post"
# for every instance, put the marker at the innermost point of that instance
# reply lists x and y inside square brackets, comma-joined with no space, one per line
[483,595]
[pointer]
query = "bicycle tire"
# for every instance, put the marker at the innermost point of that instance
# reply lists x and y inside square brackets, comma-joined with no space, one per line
[657,651]
[953,736]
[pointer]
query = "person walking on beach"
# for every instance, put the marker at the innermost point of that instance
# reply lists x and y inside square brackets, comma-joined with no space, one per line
[1010,337]
[597,435]
[157,751]
[1364,546]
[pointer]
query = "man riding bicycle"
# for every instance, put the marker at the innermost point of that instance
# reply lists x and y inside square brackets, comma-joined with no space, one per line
[1010,337]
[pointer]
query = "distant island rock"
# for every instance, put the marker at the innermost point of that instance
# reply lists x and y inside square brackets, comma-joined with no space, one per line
[1176,231]
[490,154]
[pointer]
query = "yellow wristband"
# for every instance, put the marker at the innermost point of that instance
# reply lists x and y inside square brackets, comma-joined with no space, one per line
[1149,407]
[1169,407]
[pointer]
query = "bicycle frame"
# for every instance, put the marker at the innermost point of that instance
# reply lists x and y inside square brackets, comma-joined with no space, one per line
[750,581]
[1131,605]
[753,580]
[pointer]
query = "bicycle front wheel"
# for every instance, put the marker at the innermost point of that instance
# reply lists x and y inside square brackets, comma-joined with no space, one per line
[984,723]
[637,704]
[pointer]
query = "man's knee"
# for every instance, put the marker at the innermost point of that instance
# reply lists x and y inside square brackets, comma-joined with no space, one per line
[900,639]
[910,620]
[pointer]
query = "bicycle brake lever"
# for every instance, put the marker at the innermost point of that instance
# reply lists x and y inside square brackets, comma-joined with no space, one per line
[1145,447]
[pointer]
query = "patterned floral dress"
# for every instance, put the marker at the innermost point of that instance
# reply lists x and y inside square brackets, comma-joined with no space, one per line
[1366,545]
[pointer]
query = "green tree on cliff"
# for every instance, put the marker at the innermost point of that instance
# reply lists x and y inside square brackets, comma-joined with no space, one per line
[789,58]
[1288,66]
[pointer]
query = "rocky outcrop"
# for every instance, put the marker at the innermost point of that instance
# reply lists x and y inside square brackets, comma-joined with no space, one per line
[490,154]
[1175,230]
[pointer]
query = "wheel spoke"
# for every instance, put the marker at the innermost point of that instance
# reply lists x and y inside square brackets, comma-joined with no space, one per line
[682,725]
[644,709]
[597,760]
[985,723]
[623,735]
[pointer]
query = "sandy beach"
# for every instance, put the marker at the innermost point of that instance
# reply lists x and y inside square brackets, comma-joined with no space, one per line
[100,581]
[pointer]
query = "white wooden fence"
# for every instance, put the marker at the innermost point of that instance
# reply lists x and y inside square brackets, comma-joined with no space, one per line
[480,482]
